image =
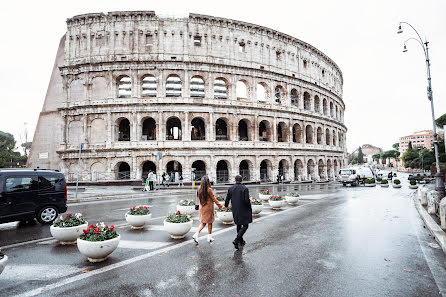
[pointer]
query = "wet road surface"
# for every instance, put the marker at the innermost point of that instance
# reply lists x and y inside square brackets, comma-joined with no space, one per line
[335,242]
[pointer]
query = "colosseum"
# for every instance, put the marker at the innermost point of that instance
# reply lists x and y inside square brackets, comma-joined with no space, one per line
[195,95]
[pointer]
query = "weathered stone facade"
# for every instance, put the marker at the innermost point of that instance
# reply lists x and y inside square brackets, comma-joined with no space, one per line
[218,95]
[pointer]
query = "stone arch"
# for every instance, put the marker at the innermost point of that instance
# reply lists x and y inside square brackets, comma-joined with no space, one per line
[265,130]
[284,168]
[174,169]
[124,83]
[297,133]
[262,93]
[334,137]
[75,132]
[173,86]
[242,89]
[317,103]
[309,134]
[319,135]
[265,170]
[327,137]
[99,87]
[331,110]
[279,94]
[282,132]
[298,170]
[294,97]
[198,129]
[122,170]
[307,101]
[173,129]
[98,131]
[329,169]
[324,107]
[148,86]
[96,170]
[246,169]
[311,169]
[200,169]
[197,87]
[222,170]
[222,129]
[148,131]
[123,129]
[320,168]
[77,90]
[147,166]
[243,130]
[220,88]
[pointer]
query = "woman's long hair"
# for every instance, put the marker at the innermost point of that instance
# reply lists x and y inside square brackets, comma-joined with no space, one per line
[203,190]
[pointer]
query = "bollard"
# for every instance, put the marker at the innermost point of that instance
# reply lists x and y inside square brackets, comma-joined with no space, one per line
[443,213]
[419,192]
[432,201]
[424,196]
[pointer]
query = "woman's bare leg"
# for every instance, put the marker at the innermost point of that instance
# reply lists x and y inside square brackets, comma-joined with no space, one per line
[201,227]
[209,228]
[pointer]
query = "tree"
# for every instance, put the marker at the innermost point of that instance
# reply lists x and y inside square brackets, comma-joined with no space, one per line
[409,146]
[441,121]
[8,157]
[360,156]
[376,157]
[396,146]
[26,147]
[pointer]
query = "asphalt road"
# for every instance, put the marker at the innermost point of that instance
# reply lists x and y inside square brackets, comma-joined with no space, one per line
[335,242]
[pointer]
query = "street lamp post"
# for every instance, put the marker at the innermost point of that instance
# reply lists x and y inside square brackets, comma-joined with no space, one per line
[439,182]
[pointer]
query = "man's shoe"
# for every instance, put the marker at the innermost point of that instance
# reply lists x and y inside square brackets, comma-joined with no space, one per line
[235,243]
[242,243]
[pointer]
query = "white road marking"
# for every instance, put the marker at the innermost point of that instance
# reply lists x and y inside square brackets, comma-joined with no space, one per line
[51,241]
[142,245]
[24,243]
[38,272]
[80,277]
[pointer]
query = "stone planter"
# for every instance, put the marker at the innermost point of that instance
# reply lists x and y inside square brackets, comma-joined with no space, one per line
[370,185]
[264,197]
[178,230]
[187,210]
[291,199]
[413,187]
[138,221]
[396,186]
[276,204]
[97,251]
[384,185]
[3,263]
[226,217]
[67,235]
[256,209]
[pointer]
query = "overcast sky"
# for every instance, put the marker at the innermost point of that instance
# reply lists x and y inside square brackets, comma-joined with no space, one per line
[384,88]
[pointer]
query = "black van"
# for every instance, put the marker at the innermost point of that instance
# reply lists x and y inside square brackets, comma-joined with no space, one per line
[26,194]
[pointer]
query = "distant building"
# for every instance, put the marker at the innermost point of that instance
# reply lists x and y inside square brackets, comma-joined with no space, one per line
[368,151]
[421,139]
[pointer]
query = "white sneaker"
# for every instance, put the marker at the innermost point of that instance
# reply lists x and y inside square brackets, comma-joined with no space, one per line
[195,237]
[210,238]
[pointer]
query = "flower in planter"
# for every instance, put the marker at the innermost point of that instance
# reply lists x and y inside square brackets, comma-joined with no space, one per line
[265,192]
[178,217]
[141,210]
[225,209]
[186,203]
[255,201]
[99,232]
[276,198]
[69,220]
[396,181]
[220,198]
[293,195]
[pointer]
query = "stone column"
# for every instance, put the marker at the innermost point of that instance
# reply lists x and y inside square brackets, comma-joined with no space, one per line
[211,136]
[84,129]
[160,125]
[110,129]
[274,140]
[135,170]
[255,129]
[186,132]
[133,124]
[186,89]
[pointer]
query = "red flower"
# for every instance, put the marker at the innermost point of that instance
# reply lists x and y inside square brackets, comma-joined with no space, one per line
[145,207]
[68,215]
[178,212]
[86,231]
[112,227]
[96,231]
[91,226]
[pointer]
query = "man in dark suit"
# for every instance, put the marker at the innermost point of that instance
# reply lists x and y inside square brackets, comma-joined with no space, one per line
[238,195]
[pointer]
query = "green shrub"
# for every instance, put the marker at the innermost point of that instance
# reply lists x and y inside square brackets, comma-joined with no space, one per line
[177,217]
[384,182]
[413,182]
[370,181]
[2,255]
[379,179]
[396,181]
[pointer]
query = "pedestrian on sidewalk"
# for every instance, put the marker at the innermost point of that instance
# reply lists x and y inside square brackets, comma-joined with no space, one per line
[162,179]
[206,215]
[167,179]
[146,186]
[180,180]
[238,195]
[152,180]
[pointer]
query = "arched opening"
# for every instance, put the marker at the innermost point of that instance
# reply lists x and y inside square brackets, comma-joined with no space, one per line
[173,126]
[279,93]
[148,129]
[222,172]
[327,137]
[319,135]
[173,86]
[198,129]
[264,171]
[282,135]
[297,133]
[198,170]
[244,170]
[148,86]
[221,130]
[243,130]
[310,169]
[264,131]
[298,170]
[307,101]
[123,171]
[317,103]
[309,134]
[329,169]
[325,107]
[283,169]
[320,168]
[123,129]
[197,87]
[340,139]
[242,90]
[147,167]
[335,165]
[124,87]
[331,110]
[220,89]
[174,169]
[334,138]
[294,97]
[261,92]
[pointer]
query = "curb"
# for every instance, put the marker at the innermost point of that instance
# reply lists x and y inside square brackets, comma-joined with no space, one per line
[435,230]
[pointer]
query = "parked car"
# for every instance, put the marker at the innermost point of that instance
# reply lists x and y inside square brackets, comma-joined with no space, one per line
[26,194]
[419,176]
